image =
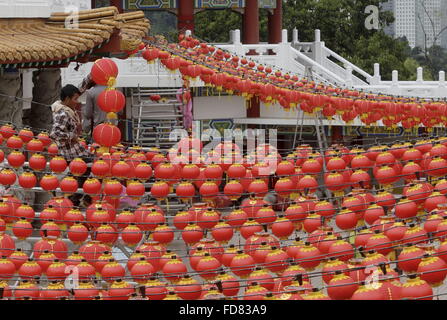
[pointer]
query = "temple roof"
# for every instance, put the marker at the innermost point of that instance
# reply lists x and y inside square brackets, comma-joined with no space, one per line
[59,39]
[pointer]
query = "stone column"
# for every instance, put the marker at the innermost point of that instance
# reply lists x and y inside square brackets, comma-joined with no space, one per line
[46,90]
[10,88]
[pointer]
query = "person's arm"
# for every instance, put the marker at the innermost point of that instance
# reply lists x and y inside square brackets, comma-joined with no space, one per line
[87,112]
[59,131]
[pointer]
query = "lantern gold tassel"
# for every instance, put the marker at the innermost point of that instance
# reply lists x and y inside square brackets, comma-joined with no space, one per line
[111,116]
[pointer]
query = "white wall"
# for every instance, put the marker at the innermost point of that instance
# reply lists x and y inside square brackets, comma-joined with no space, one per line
[225,107]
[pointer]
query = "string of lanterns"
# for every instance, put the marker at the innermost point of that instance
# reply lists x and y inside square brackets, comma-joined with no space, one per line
[263,259]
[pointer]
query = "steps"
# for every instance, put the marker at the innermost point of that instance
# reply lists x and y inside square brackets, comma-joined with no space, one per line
[152,121]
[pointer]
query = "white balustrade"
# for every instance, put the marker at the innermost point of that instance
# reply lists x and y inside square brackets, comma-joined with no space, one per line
[295,57]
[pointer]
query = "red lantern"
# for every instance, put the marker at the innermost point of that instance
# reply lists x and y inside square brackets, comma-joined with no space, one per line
[341,287]
[416,288]
[111,101]
[104,72]
[27,180]
[242,264]
[49,182]
[120,290]
[37,162]
[14,142]
[346,219]
[188,288]
[92,186]
[308,256]
[58,164]
[29,270]
[77,233]
[7,130]
[107,134]
[432,269]
[16,159]
[131,234]
[174,269]
[78,167]
[69,184]
[7,177]
[7,269]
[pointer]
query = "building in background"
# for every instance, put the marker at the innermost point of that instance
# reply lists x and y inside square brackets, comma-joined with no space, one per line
[388,7]
[420,21]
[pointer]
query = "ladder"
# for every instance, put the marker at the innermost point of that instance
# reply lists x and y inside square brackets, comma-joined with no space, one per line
[153,121]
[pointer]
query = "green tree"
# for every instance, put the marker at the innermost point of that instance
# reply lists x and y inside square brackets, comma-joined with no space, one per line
[342,26]
[215,25]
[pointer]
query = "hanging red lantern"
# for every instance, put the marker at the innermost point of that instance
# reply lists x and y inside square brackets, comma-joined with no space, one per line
[7,130]
[405,208]
[69,184]
[29,270]
[346,219]
[174,269]
[27,180]
[50,229]
[379,242]
[409,258]
[28,289]
[107,134]
[92,186]
[188,288]
[160,190]
[432,269]
[7,177]
[258,187]
[209,190]
[37,162]
[49,182]
[120,290]
[341,287]
[104,72]
[142,271]
[308,256]
[78,167]
[77,233]
[242,264]
[16,159]
[111,101]
[58,164]
[416,288]
[7,269]
[233,189]
[25,211]
[14,142]
[192,233]
[131,234]
[433,200]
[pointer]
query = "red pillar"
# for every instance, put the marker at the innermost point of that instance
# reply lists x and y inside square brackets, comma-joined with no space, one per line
[118,4]
[251,22]
[336,134]
[185,15]
[250,35]
[275,24]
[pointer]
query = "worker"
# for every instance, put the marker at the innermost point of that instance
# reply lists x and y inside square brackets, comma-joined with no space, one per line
[66,129]
[92,115]
[66,125]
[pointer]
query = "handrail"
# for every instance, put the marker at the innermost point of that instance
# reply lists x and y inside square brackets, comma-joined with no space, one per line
[356,80]
[317,65]
[346,62]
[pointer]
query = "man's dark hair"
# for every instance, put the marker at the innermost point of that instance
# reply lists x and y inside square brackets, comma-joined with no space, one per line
[69,91]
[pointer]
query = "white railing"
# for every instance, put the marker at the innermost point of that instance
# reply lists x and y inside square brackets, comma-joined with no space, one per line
[304,59]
